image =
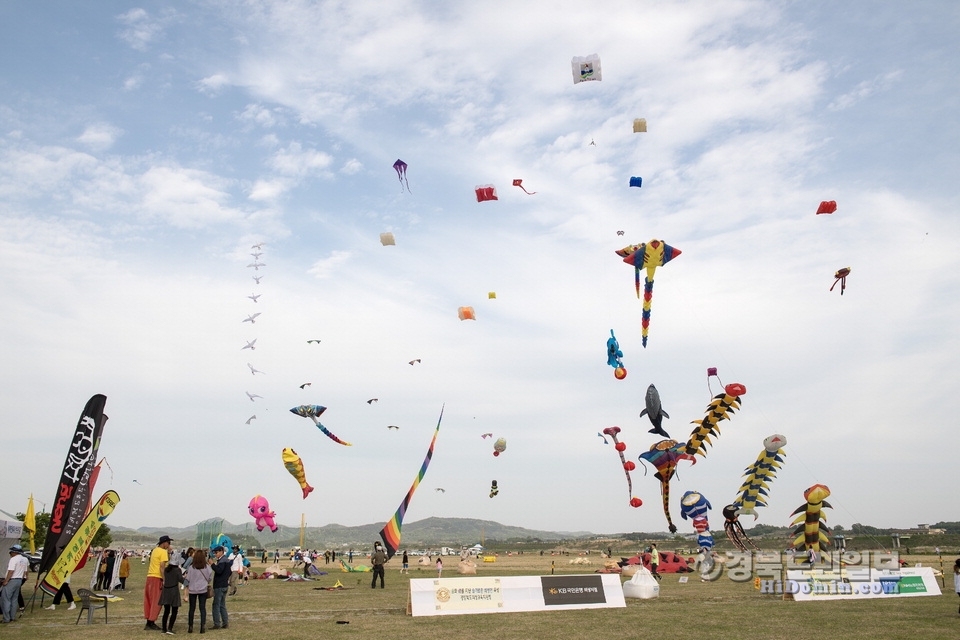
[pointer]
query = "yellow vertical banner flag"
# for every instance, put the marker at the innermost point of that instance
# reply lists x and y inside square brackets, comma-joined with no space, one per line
[30,524]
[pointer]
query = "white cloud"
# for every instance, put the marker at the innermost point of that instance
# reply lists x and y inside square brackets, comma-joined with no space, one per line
[260,115]
[865,89]
[299,162]
[269,189]
[351,166]
[328,267]
[212,85]
[141,29]
[99,136]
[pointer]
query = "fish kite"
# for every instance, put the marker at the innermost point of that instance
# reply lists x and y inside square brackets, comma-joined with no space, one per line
[812,530]
[486,192]
[401,168]
[294,465]
[614,357]
[655,411]
[664,456]
[517,182]
[694,506]
[718,409]
[390,534]
[499,446]
[313,411]
[841,277]
[649,256]
[494,489]
[259,508]
[827,206]
[586,68]
[628,465]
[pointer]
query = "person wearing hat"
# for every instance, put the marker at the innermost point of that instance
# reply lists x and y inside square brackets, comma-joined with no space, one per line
[222,569]
[153,587]
[16,573]
[378,558]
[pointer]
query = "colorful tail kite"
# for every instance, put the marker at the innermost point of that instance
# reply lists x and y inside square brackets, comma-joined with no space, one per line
[649,256]
[664,456]
[401,168]
[517,182]
[812,530]
[313,411]
[390,534]
[628,465]
[718,409]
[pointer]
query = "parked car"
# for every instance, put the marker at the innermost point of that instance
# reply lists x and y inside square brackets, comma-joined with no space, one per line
[34,559]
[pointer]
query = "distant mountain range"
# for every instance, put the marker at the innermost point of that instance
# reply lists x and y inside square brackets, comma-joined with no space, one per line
[430,531]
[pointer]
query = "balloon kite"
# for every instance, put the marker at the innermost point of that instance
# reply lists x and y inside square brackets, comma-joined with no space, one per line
[639,125]
[517,182]
[614,357]
[494,489]
[499,446]
[390,534]
[260,510]
[628,465]
[664,456]
[387,239]
[586,68]
[812,530]
[294,465]
[636,181]
[827,206]
[694,506]
[649,256]
[466,313]
[655,411]
[841,277]
[401,168]
[313,411]
[718,409]
[486,192]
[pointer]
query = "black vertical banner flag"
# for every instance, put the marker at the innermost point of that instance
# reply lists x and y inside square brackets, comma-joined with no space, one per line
[73,486]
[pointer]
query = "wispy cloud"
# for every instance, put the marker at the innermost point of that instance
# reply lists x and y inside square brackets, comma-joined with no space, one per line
[328,267]
[99,136]
[865,89]
[142,29]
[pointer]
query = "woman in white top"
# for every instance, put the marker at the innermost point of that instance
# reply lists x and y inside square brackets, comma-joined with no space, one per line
[200,576]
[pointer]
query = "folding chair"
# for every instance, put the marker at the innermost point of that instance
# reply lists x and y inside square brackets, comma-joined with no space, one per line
[89,598]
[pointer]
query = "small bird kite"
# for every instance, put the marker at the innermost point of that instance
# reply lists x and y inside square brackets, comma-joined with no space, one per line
[252,319]
[486,435]
[255,296]
[256,279]
[256,265]
[252,396]
[372,400]
[257,254]
[305,384]
[393,426]
[253,417]
[258,246]
[313,341]
[440,489]
[253,371]
[250,345]
[415,360]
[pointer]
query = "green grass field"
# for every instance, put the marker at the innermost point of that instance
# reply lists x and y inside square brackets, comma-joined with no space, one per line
[722,609]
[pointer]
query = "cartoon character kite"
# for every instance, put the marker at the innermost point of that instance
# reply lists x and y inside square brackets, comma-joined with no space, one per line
[841,277]
[294,465]
[401,168]
[649,256]
[614,357]
[628,465]
[517,182]
[494,489]
[499,446]
[259,508]
[313,412]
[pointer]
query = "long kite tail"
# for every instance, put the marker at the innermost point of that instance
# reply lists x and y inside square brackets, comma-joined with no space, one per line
[647,297]
[330,434]
[665,494]
[390,534]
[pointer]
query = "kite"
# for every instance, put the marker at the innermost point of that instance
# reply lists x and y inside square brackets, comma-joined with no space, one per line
[250,345]
[372,400]
[255,296]
[636,181]
[614,357]
[392,426]
[494,489]
[486,435]
[620,232]
[466,313]
[841,277]
[257,279]
[717,410]
[586,68]
[694,506]
[253,371]
[664,456]
[252,396]
[387,239]
[827,206]
[251,418]
[758,474]
[256,265]
[258,246]
[628,465]
[313,411]
[602,438]
[592,143]
[440,489]
[712,373]
[639,125]
[138,482]
[491,295]
[517,182]
[306,384]
[401,168]
[260,510]
[734,530]
[655,411]
[649,256]
[486,192]
[293,464]
[252,319]
[313,341]
[390,534]
[499,447]
[413,361]
[811,531]
[257,254]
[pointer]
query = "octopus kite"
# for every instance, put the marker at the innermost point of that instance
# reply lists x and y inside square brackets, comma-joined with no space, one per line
[313,411]
[259,508]
[628,465]
[841,278]
[664,456]
[401,168]
[812,530]
[649,256]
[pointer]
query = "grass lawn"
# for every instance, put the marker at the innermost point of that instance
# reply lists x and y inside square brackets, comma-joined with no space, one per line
[722,609]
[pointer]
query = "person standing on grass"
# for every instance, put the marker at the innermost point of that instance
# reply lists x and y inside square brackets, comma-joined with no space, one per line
[378,558]
[439,566]
[17,570]
[200,579]
[170,597]
[654,561]
[63,592]
[124,572]
[406,564]
[956,578]
[222,569]
[153,586]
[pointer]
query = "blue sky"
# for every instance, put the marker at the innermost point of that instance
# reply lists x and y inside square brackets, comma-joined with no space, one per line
[144,148]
